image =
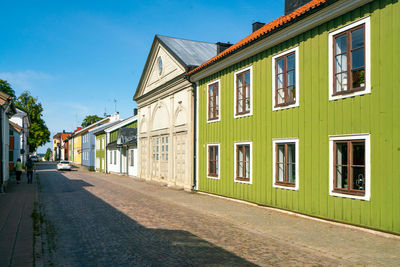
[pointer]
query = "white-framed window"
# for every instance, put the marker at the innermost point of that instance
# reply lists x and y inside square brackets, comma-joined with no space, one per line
[285,79]
[350,60]
[111,159]
[214,101]
[243,92]
[243,162]
[285,158]
[350,166]
[213,160]
[115,157]
[103,143]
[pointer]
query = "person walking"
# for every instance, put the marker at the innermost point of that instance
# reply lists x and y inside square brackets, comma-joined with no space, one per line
[18,170]
[30,167]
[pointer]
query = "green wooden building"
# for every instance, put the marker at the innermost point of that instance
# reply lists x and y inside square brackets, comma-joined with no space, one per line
[301,114]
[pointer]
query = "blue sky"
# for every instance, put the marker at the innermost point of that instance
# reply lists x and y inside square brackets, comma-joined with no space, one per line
[78,56]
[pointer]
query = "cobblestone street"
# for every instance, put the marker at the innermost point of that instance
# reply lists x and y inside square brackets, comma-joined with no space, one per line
[93,219]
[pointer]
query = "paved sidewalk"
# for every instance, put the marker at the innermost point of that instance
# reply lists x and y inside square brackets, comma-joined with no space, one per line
[16,229]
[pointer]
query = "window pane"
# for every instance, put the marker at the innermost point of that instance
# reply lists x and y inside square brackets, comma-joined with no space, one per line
[341,153]
[291,153]
[341,63]
[240,162]
[291,94]
[291,62]
[358,153]
[247,77]
[281,153]
[240,81]
[247,151]
[279,81]
[211,169]
[280,66]
[357,38]
[291,78]
[281,96]
[292,173]
[340,44]
[359,178]
[341,177]
[358,77]
[341,82]
[357,58]
[281,172]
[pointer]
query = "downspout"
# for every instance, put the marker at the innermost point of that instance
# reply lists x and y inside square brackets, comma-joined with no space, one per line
[194,186]
[1,150]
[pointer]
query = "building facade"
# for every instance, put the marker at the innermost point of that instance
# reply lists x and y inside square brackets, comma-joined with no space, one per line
[300,115]
[100,162]
[165,103]
[21,119]
[117,151]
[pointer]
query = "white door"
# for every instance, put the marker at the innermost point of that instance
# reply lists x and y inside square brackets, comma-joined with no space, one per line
[180,158]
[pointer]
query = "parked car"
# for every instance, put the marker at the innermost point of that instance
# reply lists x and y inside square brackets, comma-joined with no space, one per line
[35,158]
[63,165]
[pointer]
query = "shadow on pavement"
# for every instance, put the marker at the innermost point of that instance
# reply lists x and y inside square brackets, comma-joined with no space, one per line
[88,231]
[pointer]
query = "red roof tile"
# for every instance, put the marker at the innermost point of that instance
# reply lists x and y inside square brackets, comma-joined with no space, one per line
[267,28]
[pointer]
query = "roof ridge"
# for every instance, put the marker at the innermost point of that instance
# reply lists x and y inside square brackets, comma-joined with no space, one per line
[185,39]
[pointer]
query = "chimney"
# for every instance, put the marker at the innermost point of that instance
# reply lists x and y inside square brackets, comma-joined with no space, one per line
[257,25]
[134,111]
[222,46]
[292,5]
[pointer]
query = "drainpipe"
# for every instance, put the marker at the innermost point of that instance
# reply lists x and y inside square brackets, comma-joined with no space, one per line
[1,150]
[194,186]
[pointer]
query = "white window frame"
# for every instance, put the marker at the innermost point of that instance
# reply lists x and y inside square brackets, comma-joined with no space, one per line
[131,158]
[367,140]
[219,101]
[235,90]
[280,141]
[111,157]
[367,48]
[250,143]
[219,161]
[297,77]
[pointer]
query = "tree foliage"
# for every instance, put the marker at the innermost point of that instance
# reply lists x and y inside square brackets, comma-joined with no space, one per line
[90,119]
[48,154]
[5,87]
[39,134]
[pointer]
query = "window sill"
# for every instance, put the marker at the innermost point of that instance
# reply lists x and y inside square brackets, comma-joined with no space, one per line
[213,120]
[240,115]
[350,93]
[243,180]
[211,176]
[285,106]
[287,186]
[339,193]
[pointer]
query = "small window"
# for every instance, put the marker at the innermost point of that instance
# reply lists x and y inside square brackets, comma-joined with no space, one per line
[213,161]
[213,101]
[285,160]
[285,68]
[115,157]
[111,161]
[243,162]
[349,59]
[243,92]
[350,167]
[155,148]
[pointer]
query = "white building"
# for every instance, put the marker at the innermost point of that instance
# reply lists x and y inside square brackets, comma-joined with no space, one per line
[21,118]
[166,111]
[121,149]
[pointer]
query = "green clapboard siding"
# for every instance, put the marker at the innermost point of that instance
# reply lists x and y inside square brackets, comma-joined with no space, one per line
[312,123]
[100,153]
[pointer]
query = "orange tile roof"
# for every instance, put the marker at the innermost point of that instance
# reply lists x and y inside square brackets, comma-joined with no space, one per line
[267,28]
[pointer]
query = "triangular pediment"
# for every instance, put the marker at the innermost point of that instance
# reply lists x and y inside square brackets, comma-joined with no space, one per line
[155,74]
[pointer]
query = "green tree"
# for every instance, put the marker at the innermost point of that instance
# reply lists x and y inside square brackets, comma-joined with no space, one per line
[39,134]
[47,156]
[90,119]
[5,87]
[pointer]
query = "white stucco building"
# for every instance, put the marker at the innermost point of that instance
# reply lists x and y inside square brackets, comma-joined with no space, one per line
[21,118]
[165,101]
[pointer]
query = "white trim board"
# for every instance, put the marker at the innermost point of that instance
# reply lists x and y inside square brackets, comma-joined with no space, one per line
[219,161]
[250,68]
[219,101]
[235,160]
[279,141]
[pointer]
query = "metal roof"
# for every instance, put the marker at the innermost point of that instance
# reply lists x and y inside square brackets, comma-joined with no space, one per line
[191,53]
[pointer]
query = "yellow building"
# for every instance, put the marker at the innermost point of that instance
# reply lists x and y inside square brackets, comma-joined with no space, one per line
[78,149]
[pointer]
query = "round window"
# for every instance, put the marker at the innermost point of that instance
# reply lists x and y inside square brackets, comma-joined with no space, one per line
[160,66]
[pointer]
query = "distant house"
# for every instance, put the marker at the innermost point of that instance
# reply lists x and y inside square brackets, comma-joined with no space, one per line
[121,147]
[15,133]
[166,110]
[88,140]
[57,147]
[7,110]
[21,119]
